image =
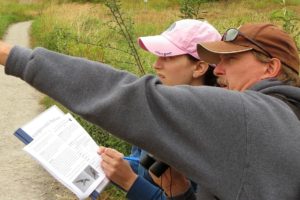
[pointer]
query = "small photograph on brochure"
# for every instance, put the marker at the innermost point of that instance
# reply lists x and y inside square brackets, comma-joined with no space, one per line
[86,178]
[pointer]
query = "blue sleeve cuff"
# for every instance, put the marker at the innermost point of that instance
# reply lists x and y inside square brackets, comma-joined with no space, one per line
[143,189]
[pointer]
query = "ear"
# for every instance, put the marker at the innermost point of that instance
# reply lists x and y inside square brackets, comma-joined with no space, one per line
[200,69]
[272,69]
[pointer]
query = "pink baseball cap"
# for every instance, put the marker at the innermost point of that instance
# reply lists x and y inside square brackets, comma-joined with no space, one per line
[180,38]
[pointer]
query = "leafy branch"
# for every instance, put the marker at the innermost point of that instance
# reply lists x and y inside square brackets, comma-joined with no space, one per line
[191,9]
[125,28]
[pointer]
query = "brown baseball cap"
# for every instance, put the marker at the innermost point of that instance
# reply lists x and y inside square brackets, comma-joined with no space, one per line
[265,38]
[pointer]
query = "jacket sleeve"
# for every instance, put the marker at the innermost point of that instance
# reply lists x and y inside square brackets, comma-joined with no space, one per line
[143,189]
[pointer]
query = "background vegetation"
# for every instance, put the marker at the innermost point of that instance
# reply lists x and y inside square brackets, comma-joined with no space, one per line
[87,29]
[13,11]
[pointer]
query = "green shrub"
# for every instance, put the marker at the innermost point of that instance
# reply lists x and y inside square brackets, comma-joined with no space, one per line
[192,8]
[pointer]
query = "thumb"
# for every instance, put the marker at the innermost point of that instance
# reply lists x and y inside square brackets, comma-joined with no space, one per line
[101,150]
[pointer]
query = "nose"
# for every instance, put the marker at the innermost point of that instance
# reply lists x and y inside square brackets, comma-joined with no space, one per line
[219,70]
[157,64]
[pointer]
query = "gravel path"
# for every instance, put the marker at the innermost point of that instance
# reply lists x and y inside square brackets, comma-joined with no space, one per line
[21,177]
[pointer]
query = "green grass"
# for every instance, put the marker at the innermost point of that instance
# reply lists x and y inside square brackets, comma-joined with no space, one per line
[5,21]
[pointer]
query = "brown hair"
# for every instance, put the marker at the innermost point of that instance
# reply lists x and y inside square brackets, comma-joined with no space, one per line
[287,75]
[209,78]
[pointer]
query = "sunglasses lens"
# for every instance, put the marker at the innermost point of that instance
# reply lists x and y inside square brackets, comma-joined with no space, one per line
[230,35]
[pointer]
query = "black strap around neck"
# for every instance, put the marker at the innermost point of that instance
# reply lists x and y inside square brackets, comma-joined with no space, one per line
[290,102]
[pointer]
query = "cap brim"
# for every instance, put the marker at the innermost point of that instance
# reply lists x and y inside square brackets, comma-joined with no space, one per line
[159,46]
[210,51]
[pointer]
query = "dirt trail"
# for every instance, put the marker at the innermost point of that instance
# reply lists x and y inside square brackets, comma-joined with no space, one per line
[21,177]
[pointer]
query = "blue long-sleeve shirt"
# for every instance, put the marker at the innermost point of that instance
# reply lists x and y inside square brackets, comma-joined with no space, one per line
[143,188]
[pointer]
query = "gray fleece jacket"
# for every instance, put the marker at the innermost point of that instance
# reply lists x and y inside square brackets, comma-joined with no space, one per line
[236,145]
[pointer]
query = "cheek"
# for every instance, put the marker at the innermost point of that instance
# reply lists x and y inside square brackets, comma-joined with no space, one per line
[239,71]
[243,78]
[183,73]
[254,74]
[234,77]
[173,71]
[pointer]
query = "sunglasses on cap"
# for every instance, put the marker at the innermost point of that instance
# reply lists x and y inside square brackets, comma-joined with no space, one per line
[232,33]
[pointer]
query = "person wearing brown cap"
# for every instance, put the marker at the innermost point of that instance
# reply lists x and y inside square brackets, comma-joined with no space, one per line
[237,143]
[273,49]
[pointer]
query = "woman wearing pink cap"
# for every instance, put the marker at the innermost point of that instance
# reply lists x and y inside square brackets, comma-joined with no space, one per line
[177,64]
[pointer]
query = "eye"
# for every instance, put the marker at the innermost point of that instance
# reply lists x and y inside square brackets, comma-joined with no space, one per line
[163,58]
[168,58]
[230,58]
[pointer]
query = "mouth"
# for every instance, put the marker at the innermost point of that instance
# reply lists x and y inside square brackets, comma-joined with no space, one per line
[222,83]
[161,76]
